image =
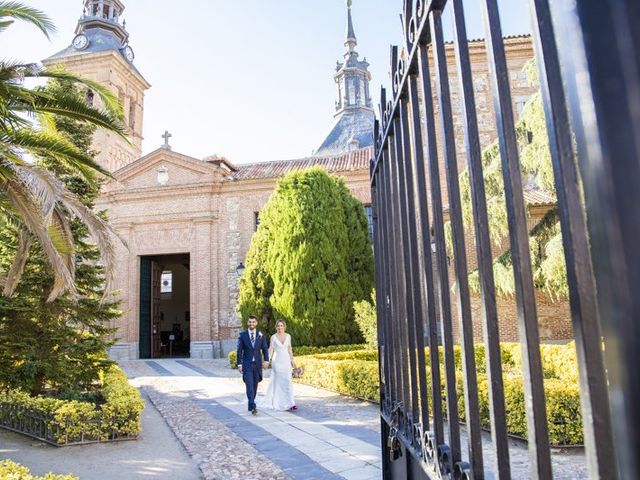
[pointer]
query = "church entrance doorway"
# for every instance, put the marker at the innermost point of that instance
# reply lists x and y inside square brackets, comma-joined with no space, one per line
[164,306]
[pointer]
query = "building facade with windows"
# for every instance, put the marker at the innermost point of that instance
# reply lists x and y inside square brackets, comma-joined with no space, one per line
[186,222]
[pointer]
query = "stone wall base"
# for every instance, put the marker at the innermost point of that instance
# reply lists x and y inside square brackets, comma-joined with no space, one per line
[204,349]
[124,351]
[227,346]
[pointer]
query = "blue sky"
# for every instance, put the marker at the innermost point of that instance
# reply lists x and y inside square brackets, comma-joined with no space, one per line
[251,79]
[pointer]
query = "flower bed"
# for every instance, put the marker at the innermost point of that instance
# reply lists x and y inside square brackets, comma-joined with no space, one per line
[61,422]
[14,471]
[355,373]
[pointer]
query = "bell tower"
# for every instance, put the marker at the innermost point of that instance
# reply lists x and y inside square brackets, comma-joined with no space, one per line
[101,51]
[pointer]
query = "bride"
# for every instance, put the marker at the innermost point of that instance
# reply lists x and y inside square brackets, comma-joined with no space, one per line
[279,395]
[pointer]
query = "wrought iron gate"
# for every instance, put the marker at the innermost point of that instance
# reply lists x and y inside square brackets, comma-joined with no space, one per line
[588,57]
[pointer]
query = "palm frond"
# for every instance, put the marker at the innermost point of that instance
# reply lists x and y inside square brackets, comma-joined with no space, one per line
[101,232]
[73,108]
[46,143]
[26,206]
[19,261]
[109,99]
[4,24]
[31,15]
[60,233]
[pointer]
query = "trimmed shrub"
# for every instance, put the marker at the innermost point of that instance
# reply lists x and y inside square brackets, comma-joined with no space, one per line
[355,373]
[366,355]
[356,378]
[367,320]
[306,350]
[14,471]
[233,359]
[69,422]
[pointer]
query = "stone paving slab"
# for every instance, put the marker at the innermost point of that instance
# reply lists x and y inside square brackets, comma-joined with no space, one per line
[301,453]
[220,453]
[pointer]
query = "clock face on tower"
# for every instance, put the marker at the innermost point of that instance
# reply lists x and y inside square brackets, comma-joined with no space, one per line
[128,53]
[80,42]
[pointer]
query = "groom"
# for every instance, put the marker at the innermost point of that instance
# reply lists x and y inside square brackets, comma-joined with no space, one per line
[251,344]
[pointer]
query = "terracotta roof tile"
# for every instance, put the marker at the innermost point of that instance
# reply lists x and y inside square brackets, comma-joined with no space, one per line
[349,161]
[536,198]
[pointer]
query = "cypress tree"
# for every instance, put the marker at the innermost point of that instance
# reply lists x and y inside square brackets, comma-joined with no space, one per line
[310,259]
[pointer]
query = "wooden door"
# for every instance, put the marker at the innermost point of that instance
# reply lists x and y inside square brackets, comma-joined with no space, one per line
[156,271]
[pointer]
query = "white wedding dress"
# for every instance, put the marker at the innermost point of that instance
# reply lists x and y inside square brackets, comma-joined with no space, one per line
[279,395]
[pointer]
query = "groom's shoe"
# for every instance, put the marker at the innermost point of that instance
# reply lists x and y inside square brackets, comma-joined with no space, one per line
[254,411]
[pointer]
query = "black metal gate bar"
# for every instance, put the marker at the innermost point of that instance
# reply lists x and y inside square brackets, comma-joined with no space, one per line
[392,295]
[443,285]
[537,429]
[459,248]
[383,365]
[593,383]
[436,433]
[406,285]
[410,258]
[384,308]
[604,97]
[401,269]
[418,205]
[398,301]
[483,246]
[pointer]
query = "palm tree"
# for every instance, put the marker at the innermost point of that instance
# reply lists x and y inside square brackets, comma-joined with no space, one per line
[34,203]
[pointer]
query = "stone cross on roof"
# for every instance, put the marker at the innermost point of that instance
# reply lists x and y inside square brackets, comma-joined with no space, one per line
[166,137]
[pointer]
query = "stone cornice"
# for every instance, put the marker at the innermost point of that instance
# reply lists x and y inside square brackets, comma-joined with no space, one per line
[82,59]
[478,52]
[155,192]
[255,185]
[169,156]
[130,223]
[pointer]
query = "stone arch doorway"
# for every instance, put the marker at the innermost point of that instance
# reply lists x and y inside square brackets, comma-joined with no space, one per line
[164,306]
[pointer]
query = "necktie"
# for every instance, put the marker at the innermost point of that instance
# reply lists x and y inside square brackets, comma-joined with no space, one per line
[252,339]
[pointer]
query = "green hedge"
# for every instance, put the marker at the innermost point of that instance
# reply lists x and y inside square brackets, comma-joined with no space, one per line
[303,350]
[69,422]
[14,471]
[357,378]
[356,373]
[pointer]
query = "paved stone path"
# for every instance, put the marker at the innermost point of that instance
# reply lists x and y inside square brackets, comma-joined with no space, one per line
[330,437]
[203,402]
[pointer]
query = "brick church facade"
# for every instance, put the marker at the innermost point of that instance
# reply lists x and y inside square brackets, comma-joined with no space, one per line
[187,223]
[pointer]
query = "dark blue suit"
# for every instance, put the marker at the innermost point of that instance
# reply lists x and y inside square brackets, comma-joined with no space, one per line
[250,357]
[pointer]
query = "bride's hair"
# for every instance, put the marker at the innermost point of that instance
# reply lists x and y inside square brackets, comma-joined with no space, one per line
[284,324]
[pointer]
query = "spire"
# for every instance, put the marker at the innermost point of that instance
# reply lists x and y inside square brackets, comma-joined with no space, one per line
[351,36]
[354,117]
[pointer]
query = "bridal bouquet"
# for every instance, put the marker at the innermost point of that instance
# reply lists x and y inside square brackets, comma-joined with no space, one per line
[297,372]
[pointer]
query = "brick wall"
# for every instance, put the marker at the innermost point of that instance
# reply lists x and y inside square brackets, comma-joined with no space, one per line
[554,319]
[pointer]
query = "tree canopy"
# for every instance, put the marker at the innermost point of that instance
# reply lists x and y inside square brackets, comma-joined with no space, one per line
[309,260]
[34,202]
[545,238]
